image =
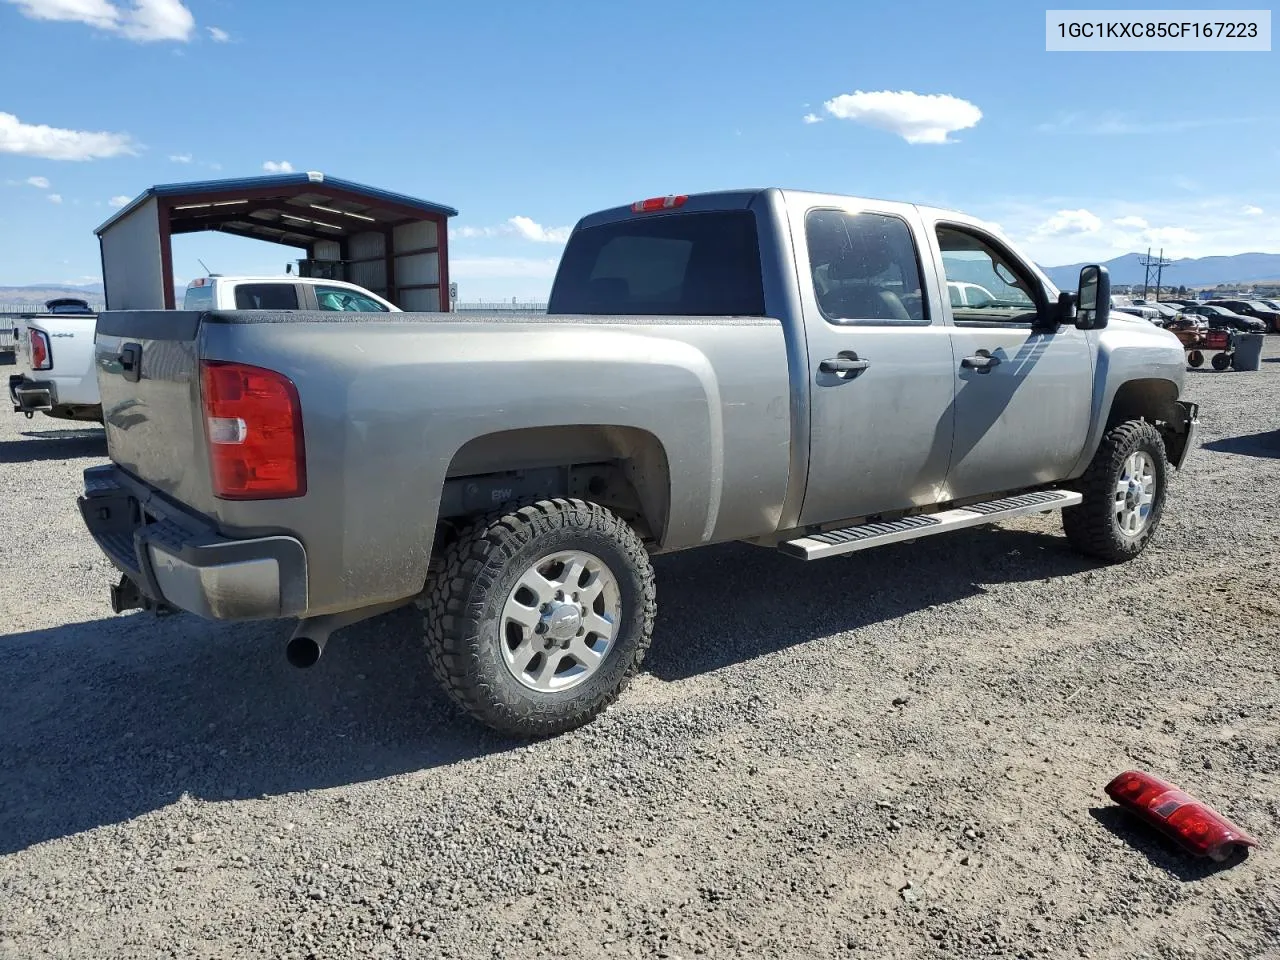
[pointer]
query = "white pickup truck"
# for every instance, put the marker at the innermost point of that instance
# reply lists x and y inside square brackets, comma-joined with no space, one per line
[55,350]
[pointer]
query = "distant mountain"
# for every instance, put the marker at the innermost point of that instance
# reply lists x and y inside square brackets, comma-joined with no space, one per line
[1189,271]
[38,293]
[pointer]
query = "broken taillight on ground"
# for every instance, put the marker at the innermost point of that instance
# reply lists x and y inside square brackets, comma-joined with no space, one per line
[1198,828]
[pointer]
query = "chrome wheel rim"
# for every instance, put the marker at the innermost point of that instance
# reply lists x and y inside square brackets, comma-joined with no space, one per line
[560,621]
[1135,494]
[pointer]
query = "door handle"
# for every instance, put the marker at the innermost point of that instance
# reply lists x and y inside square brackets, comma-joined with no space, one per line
[982,362]
[845,367]
[131,362]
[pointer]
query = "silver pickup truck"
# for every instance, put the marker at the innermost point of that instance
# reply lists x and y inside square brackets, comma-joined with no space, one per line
[788,369]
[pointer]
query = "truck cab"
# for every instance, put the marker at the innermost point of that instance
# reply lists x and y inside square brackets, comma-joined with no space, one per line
[282,293]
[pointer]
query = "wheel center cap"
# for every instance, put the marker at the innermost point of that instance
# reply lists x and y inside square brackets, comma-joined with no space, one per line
[563,621]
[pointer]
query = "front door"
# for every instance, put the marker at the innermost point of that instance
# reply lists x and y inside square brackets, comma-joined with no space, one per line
[880,364]
[1022,395]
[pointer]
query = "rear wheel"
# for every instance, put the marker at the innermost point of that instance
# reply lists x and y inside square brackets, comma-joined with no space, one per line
[1221,361]
[1195,359]
[1124,491]
[538,618]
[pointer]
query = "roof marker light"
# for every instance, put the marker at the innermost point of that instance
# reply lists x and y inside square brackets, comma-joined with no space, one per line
[659,203]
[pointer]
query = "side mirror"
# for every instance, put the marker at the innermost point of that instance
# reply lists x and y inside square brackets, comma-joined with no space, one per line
[1093,301]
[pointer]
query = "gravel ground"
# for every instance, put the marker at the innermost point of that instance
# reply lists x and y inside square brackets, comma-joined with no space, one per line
[896,755]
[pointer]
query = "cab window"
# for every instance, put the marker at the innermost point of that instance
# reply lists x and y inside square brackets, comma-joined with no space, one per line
[198,298]
[987,286]
[338,298]
[266,296]
[865,268]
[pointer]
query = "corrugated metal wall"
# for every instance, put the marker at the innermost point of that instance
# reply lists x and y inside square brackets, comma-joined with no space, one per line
[132,270]
[413,269]
[328,250]
[372,275]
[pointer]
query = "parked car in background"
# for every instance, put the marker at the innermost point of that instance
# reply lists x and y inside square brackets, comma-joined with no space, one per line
[282,293]
[1222,318]
[54,360]
[782,368]
[965,294]
[68,305]
[1257,309]
[55,350]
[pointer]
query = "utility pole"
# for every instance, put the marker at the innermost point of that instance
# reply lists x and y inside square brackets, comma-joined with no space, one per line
[1157,264]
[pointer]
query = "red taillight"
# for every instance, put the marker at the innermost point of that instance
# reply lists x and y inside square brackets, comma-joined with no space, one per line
[1197,827]
[658,203]
[253,424]
[41,355]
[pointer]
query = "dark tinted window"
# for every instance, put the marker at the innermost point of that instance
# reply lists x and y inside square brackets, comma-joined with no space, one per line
[690,264]
[864,267]
[266,296]
[198,298]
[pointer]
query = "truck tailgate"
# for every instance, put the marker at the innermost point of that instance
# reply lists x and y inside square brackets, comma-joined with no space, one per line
[148,377]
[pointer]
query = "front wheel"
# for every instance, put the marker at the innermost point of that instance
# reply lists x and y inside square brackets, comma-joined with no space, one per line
[539,617]
[1124,492]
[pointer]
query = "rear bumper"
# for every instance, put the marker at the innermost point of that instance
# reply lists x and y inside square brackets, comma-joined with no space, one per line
[32,396]
[179,560]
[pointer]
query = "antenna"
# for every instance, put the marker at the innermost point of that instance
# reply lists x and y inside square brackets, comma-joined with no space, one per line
[207,271]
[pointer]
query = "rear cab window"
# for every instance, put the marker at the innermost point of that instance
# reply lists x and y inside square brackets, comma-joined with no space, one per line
[685,264]
[266,296]
[198,298]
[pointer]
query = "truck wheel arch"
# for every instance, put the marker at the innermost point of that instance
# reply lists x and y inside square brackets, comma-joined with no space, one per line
[624,468]
[1153,399]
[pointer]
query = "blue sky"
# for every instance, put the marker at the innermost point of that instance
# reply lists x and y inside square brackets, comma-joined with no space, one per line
[525,116]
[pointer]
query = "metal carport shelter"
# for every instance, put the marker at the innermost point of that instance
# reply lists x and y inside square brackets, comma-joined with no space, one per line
[394,245]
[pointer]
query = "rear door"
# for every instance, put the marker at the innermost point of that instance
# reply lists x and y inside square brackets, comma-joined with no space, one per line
[880,362]
[1022,396]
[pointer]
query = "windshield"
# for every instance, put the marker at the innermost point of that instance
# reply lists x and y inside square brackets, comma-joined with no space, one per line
[687,264]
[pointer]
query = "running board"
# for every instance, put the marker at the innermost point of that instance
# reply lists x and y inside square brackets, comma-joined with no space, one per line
[831,543]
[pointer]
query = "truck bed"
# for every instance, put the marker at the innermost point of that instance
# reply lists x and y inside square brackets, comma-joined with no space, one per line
[395,405]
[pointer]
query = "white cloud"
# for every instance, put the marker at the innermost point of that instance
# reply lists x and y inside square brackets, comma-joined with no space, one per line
[1184,226]
[55,198]
[144,20]
[522,227]
[1121,124]
[484,268]
[537,232]
[812,118]
[1067,222]
[917,118]
[282,166]
[180,157]
[40,183]
[1249,210]
[218,35]
[55,143]
[119,201]
[471,233]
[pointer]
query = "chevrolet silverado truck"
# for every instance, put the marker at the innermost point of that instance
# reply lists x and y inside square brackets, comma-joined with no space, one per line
[57,348]
[54,356]
[786,369]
